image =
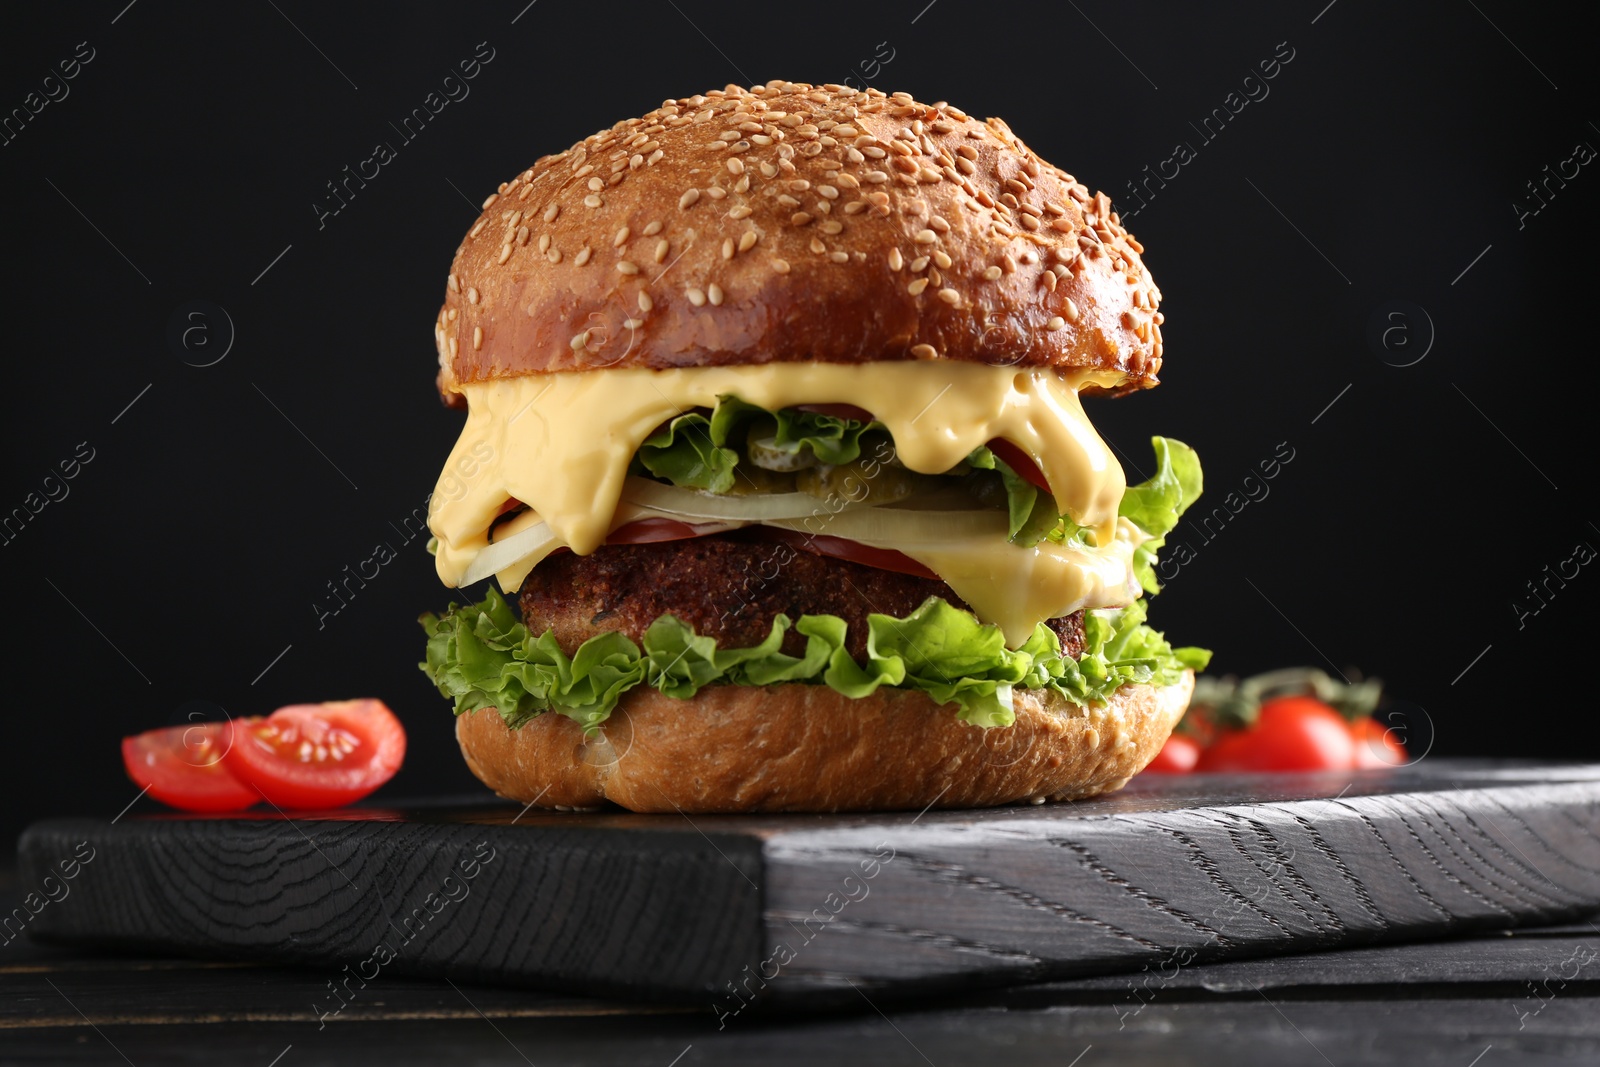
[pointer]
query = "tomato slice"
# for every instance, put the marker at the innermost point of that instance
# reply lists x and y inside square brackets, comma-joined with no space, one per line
[1291,734]
[1019,461]
[657,528]
[838,411]
[182,767]
[647,531]
[1177,756]
[318,755]
[885,559]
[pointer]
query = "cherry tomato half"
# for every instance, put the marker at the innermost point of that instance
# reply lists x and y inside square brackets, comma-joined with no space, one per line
[1019,461]
[1177,756]
[1291,734]
[1377,745]
[182,767]
[318,755]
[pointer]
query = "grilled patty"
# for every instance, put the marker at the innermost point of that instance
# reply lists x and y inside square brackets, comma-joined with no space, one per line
[727,587]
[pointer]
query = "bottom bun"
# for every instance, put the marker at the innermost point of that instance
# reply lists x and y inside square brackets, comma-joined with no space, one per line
[806,748]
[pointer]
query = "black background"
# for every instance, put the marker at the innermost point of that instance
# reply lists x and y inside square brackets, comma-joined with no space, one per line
[1385,161]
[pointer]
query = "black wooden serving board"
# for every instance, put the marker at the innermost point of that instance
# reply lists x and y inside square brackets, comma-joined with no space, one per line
[821,909]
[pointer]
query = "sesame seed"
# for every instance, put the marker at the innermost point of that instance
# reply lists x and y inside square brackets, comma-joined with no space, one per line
[716,192]
[477,338]
[799,218]
[1048,280]
[554,255]
[965,165]
[781,266]
[579,340]
[828,191]
[727,248]
[831,227]
[505,253]
[920,263]
[839,257]
[817,246]
[477,227]
[645,303]
[916,287]
[655,157]
[1055,323]
[522,235]
[926,237]
[735,166]
[489,201]
[592,200]
[472,295]
[583,256]
[896,260]
[661,253]
[1071,310]
[595,185]
[854,206]
[942,259]
[768,170]
[626,267]
[992,274]
[740,211]
[876,177]
[950,296]
[924,351]
[454,346]
[1029,222]
[696,297]
[621,238]
[800,186]
[688,199]
[747,240]
[714,294]
[544,242]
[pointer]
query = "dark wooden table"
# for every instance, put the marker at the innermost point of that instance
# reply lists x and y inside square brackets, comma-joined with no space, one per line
[1526,996]
[1436,915]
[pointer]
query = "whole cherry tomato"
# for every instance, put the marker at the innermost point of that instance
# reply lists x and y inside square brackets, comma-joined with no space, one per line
[1291,734]
[1177,756]
[1377,745]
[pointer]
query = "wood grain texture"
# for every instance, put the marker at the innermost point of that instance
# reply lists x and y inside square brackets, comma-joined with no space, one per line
[625,912]
[1533,994]
[820,910]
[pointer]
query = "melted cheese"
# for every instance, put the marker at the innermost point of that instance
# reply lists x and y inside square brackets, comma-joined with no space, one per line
[1016,587]
[561,443]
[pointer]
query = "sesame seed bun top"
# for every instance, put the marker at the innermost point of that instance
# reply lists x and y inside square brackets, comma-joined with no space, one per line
[795,222]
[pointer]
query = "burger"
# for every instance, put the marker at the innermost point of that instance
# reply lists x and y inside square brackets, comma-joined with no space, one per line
[775,450]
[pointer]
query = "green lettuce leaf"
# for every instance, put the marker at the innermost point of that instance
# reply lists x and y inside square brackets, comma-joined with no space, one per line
[686,453]
[1032,514]
[693,450]
[1156,504]
[481,656]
